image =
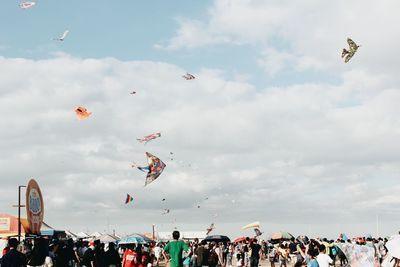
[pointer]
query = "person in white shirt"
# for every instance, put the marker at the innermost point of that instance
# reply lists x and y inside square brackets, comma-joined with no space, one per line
[323,259]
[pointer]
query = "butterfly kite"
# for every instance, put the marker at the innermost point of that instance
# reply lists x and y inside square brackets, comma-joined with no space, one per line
[154,169]
[149,137]
[128,199]
[82,113]
[62,37]
[210,228]
[348,54]
[188,76]
[26,5]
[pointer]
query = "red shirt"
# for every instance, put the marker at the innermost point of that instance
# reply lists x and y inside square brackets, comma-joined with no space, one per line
[5,250]
[130,259]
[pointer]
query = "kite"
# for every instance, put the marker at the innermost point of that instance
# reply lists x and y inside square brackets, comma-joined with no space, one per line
[348,54]
[257,231]
[128,199]
[154,169]
[82,113]
[149,137]
[188,76]
[62,37]
[133,92]
[26,5]
[166,211]
[210,228]
[198,206]
[163,199]
[171,156]
[251,225]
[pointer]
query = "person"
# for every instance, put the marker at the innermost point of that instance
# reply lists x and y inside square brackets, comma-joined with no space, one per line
[229,256]
[272,256]
[39,254]
[323,259]
[130,257]
[13,258]
[283,255]
[175,249]
[157,253]
[88,257]
[111,256]
[199,252]
[255,253]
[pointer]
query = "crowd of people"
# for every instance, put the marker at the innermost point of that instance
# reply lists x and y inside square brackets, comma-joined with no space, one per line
[178,253]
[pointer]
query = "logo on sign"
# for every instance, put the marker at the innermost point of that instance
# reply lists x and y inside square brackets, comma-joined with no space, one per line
[35,205]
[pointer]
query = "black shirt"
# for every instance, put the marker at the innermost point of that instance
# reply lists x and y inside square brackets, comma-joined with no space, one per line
[255,250]
[13,258]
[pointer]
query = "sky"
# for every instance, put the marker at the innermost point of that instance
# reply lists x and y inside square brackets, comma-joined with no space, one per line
[275,128]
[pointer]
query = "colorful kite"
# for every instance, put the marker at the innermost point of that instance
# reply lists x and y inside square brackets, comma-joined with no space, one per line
[128,199]
[166,211]
[257,231]
[251,225]
[149,137]
[188,76]
[154,169]
[210,228]
[352,50]
[62,37]
[26,5]
[82,113]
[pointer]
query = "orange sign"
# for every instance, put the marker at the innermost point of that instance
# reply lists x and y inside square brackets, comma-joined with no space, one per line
[34,207]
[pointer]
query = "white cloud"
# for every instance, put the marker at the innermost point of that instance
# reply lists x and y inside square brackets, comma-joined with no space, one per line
[310,32]
[278,150]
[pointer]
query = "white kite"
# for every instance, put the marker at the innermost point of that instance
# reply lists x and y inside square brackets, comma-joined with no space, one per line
[26,5]
[62,36]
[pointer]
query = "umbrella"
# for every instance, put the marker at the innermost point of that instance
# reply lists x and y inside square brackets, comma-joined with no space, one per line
[134,239]
[393,246]
[217,238]
[281,235]
[239,239]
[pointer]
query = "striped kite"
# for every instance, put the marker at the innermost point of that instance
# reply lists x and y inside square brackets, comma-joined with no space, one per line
[149,137]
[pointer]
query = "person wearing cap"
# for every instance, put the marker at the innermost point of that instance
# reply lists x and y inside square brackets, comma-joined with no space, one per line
[175,249]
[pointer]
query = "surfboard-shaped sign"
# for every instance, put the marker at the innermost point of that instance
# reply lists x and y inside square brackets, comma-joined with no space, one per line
[34,207]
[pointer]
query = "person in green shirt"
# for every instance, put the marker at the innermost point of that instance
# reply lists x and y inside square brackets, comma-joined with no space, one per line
[175,249]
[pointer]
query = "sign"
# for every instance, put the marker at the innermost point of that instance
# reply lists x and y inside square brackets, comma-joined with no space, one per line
[34,207]
[4,224]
